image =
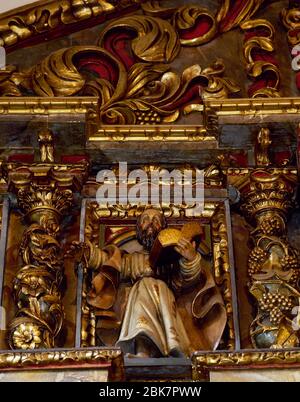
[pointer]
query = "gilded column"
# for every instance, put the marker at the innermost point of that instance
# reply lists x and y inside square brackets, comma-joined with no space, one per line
[45,195]
[273,264]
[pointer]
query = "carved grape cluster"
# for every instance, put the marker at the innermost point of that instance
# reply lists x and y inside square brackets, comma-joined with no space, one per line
[256,258]
[275,304]
[295,277]
[148,117]
[289,262]
[271,226]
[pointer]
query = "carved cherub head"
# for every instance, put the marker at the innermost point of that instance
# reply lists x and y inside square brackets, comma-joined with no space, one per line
[148,226]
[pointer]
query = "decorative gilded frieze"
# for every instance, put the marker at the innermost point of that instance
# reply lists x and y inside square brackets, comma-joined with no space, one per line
[166,133]
[273,264]
[132,80]
[45,194]
[131,89]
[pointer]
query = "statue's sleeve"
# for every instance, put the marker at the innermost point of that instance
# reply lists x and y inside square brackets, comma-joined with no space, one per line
[107,266]
[188,273]
[135,266]
[97,257]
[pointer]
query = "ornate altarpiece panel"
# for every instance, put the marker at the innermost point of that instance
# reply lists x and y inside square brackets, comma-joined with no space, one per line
[160,83]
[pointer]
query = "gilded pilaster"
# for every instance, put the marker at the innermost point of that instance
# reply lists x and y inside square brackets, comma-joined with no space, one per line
[273,264]
[45,195]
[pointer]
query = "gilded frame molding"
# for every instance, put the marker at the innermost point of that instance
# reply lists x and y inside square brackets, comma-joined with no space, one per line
[45,17]
[246,111]
[249,111]
[204,363]
[91,358]
[36,106]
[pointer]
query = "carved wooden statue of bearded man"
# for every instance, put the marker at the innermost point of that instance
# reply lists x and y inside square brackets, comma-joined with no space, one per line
[155,322]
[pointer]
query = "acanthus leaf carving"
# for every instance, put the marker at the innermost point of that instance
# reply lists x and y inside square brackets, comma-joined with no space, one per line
[129,72]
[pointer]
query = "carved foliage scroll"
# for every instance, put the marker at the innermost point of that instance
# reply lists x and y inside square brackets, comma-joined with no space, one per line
[262,66]
[129,69]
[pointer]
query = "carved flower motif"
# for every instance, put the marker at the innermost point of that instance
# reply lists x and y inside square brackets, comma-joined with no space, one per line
[32,286]
[27,336]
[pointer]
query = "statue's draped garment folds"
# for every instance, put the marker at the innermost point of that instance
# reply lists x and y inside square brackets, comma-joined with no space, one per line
[176,327]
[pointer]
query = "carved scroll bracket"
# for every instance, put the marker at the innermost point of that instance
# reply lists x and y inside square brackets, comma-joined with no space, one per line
[45,194]
[273,264]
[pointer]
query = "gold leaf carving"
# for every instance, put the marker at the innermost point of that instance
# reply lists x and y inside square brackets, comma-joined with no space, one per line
[257,68]
[57,74]
[186,17]
[156,40]
[41,17]
[291,20]
[131,91]
[246,11]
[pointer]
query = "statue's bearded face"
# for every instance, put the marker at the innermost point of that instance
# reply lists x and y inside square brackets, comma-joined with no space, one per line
[150,223]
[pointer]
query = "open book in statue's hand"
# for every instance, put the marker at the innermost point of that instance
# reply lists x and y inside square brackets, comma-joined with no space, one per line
[163,251]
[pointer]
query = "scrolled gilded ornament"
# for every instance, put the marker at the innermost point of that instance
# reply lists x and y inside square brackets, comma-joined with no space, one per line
[218,87]
[155,39]
[262,67]
[265,25]
[155,9]
[8,86]
[133,84]
[59,74]
[291,20]
[233,13]
[195,25]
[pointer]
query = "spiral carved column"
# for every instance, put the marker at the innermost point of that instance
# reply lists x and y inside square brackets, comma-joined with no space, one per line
[45,195]
[273,264]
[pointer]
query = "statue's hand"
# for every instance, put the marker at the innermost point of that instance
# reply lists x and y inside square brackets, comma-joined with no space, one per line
[186,249]
[78,251]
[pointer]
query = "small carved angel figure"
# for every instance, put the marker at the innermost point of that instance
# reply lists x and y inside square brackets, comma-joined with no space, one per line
[45,138]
